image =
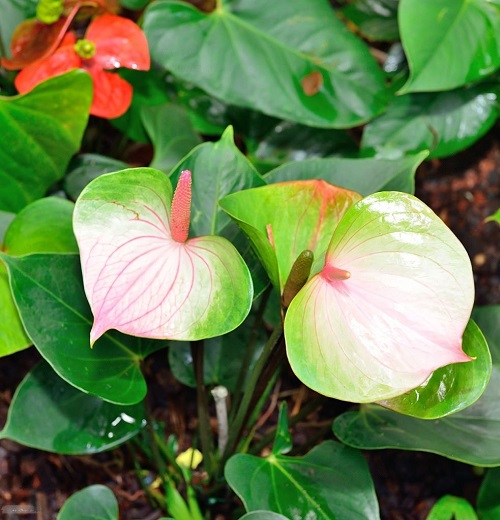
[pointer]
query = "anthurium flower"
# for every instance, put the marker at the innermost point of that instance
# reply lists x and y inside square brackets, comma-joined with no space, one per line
[389,306]
[110,42]
[142,274]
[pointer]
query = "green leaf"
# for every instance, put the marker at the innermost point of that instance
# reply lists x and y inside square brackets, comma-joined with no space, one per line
[389,306]
[288,141]
[440,58]
[5,219]
[366,176]
[13,13]
[48,414]
[282,220]
[311,68]
[44,226]
[451,388]
[376,19]
[135,5]
[171,132]
[302,487]
[87,167]
[96,502]
[471,436]
[263,515]
[488,499]
[53,283]
[283,440]
[222,357]
[41,130]
[452,508]
[495,217]
[150,89]
[443,123]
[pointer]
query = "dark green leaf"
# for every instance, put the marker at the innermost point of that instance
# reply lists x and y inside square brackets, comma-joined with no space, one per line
[452,508]
[263,515]
[150,89]
[48,414]
[366,176]
[376,19]
[488,500]
[471,436]
[283,440]
[298,62]
[171,132]
[135,5]
[49,293]
[41,130]
[443,123]
[440,57]
[94,502]
[314,486]
[87,167]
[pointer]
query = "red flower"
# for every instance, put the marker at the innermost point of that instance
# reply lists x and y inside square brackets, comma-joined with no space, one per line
[110,42]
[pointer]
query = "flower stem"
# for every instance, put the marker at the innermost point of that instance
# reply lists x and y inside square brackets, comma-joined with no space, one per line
[197,348]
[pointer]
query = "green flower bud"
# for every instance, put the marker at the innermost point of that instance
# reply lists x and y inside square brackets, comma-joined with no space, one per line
[85,49]
[49,11]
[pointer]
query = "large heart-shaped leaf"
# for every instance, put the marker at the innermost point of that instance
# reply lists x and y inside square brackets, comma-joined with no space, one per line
[49,293]
[47,413]
[44,226]
[366,176]
[314,486]
[41,130]
[443,122]
[96,502]
[311,68]
[284,219]
[389,307]
[471,436]
[139,278]
[440,57]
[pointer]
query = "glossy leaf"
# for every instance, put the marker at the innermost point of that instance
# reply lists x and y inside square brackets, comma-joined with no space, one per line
[223,357]
[85,168]
[451,388]
[171,133]
[376,19]
[48,414]
[96,502]
[488,499]
[440,57]
[150,90]
[263,515]
[443,123]
[44,226]
[284,219]
[452,508]
[288,141]
[311,69]
[389,307]
[141,281]
[61,332]
[365,176]
[471,436]
[44,128]
[309,486]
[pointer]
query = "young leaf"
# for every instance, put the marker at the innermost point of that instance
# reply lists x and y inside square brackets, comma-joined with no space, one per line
[284,219]
[440,58]
[389,307]
[287,46]
[142,279]
[313,486]
[48,414]
[452,508]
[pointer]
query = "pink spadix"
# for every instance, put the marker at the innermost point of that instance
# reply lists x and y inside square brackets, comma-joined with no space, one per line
[335,274]
[180,212]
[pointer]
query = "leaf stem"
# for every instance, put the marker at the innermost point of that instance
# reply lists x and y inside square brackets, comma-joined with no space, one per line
[249,394]
[197,349]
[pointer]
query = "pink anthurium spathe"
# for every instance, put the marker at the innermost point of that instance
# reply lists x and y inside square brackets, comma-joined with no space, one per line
[110,42]
[142,274]
[389,307]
